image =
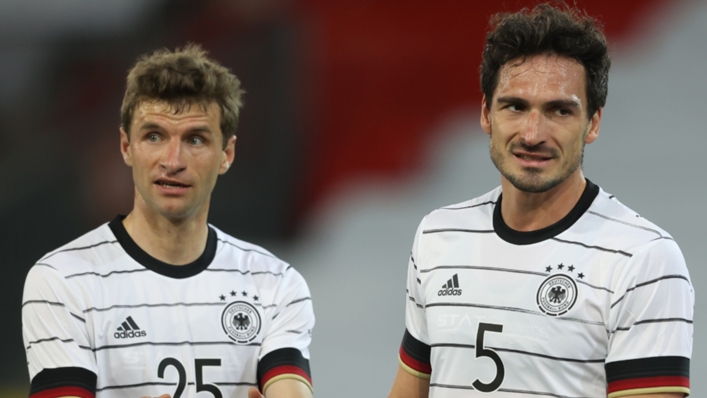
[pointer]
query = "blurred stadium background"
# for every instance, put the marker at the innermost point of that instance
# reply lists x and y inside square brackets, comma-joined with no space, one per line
[360,118]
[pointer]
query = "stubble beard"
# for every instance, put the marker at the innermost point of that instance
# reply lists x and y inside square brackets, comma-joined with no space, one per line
[532,180]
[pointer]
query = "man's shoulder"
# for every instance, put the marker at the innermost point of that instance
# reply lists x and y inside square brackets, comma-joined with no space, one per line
[623,219]
[82,252]
[237,253]
[473,213]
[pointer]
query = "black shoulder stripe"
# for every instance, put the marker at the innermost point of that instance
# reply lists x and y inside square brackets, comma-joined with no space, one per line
[283,357]
[63,377]
[647,367]
[416,349]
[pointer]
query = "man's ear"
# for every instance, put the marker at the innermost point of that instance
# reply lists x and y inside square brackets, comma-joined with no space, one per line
[230,153]
[125,147]
[485,117]
[593,129]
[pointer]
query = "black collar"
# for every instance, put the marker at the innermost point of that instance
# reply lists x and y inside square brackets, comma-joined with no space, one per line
[526,238]
[160,267]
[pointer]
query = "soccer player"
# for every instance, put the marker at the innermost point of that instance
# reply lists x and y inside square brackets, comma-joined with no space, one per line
[160,302]
[546,286]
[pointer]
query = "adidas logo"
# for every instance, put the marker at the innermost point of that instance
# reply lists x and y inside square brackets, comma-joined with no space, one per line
[451,288]
[129,329]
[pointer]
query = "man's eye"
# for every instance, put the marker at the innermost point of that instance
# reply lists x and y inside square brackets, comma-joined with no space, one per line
[196,140]
[514,107]
[153,137]
[563,112]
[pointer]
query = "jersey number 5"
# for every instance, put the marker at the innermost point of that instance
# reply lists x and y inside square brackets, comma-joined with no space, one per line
[198,365]
[489,353]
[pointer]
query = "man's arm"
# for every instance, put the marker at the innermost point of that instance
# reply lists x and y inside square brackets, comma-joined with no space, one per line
[285,388]
[409,386]
[651,319]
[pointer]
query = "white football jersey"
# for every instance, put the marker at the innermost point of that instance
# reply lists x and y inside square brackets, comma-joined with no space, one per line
[102,317]
[598,304]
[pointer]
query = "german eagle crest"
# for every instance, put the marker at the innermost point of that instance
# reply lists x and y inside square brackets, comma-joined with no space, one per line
[241,322]
[557,295]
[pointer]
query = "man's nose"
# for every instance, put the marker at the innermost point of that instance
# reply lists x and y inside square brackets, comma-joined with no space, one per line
[172,159]
[533,128]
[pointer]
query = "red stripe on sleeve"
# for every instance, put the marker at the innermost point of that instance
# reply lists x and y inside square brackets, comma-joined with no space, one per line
[415,364]
[649,382]
[63,392]
[281,370]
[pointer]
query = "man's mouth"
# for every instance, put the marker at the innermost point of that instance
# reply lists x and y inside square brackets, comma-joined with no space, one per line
[534,158]
[171,184]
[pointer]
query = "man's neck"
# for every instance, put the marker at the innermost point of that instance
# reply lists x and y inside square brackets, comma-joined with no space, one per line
[173,242]
[524,211]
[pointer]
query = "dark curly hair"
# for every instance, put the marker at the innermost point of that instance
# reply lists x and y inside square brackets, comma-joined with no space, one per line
[183,78]
[548,29]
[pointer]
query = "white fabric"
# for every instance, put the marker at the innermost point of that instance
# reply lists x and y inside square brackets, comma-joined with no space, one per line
[75,300]
[614,249]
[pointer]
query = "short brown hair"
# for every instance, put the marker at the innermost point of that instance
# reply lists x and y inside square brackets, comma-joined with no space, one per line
[183,78]
[547,29]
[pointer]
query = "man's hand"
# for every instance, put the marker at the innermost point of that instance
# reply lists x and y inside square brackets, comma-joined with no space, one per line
[253,393]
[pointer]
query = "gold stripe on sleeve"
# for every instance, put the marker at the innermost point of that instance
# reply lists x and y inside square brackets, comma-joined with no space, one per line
[650,390]
[288,376]
[413,371]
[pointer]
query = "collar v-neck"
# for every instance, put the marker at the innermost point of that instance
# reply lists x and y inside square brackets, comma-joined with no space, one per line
[160,267]
[526,238]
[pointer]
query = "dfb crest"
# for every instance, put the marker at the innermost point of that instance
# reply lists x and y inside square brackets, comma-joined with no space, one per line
[556,295]
[241,322]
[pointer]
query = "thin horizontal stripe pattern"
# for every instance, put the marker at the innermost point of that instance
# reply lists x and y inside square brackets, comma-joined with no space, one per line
[53,303]
[571,242]
[458,387]
[661,320]
[416,304]
[481,268]
[510,270]
[650,282]
[56,339]
[45,265]
[534,354]
[470,231]
[299,300]
[205,304]
[163,383]
[56,303]
[173,343]
[625,223]
[244,249]
[490,202]
[130,271]
[72,249]
[512,309]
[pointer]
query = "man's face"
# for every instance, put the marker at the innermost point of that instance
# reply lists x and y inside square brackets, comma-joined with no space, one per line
[176,158]
[538,121]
